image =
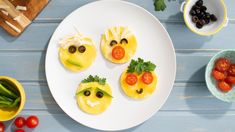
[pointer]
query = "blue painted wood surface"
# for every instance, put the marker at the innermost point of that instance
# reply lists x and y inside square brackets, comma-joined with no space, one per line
[190,107]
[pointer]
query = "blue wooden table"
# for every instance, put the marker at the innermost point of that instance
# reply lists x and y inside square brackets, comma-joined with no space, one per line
[190,107]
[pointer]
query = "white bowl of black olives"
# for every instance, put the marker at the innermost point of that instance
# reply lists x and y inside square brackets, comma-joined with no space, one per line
[205,17]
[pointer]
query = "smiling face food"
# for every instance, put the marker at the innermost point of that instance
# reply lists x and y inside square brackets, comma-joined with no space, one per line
[94,95]
[139,80]
[77,52]
[118,44]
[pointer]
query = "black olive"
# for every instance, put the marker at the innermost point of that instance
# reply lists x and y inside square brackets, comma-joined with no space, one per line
[202,22]
[99,94]
[87,93]
[195,7]
[208,15]
[203,8]
[199,3]
[82,49]
[72,49]
[113,42]
[195,19]
[199,25]
[213,18]
[124,40]
[207,21]
[198,11]
[192,12]
[140,91]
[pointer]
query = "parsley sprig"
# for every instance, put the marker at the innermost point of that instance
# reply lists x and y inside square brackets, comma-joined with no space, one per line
[140,66]
[159,5]
[95,78]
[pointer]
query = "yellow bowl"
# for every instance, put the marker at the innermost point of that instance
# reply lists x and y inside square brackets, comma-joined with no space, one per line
[9,113]
[216,7]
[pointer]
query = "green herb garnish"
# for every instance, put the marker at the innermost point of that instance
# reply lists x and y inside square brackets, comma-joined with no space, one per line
[159,5]
[105,93]
[140,66]
[95,78]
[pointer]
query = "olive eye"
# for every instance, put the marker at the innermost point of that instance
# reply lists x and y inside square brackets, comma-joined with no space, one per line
[81,49]
[72,49]
[99,94]
[124,41]
[140,91]
[113,42]
[87,93]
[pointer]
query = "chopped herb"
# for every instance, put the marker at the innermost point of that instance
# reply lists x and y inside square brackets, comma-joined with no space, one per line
[159,5]
[140,66]
[95,78]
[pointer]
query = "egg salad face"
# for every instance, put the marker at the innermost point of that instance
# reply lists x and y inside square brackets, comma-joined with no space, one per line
[77,52]
[118,44]
[139,80]
[94,95]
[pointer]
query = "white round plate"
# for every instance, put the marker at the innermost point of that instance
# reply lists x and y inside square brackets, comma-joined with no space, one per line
[154,44]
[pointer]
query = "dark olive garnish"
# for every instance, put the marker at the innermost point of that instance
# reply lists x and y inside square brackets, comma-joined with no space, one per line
[99,94]
[203,8]
[195,19]
[124,40]
[199,25]
[140,91]
[198,11]
[199,3]
[81,49]
[202,22]
[192,12]
[113,42]
[213,17]
[72,49]
[207,21]
[87,93]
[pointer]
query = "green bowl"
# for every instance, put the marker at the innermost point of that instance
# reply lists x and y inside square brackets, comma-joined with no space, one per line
[211,82]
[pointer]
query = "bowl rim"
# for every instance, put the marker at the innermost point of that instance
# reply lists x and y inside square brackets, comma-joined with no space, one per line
[208,33]
[207,72]
[22,95]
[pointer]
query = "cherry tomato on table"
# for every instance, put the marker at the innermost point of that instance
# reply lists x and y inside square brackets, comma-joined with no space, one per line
[118,52]
[231,70]
[131,79]
[20,122]
[32,122]
[2,127]
[222,64]
[218,75]
[230,80]
[19,130]
[223,86]
[147,78]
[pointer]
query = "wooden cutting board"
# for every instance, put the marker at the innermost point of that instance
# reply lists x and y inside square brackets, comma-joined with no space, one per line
[16,15]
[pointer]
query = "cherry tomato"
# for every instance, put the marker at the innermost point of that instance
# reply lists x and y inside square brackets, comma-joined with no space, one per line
[230,80]
[118,52]
[20,122]
[231,70]
[32,122]
[223,86]
[131,79]
[19,130]
[218,75]
[2,127]
[147,78]
[222,64]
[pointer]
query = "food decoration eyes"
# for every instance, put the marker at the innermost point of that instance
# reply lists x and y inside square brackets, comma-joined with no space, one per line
[87,93]
[147,78]
[99,94]
[140,91]
[72,49]
[131,79]
[81,49]
[113,42]
[124,41]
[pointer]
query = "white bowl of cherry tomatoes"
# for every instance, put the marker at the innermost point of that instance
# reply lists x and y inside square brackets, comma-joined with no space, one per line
[220,75]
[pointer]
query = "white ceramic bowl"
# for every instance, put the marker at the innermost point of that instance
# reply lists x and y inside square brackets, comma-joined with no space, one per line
[216,7]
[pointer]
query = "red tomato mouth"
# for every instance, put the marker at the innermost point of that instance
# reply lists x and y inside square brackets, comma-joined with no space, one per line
[118,52]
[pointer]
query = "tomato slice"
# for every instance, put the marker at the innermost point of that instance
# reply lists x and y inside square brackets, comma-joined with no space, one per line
[118,52]
[222,64]
[230,80]
[218,75]
[147,78]
[131,79]
[223,86]
[2,127]
[231,70]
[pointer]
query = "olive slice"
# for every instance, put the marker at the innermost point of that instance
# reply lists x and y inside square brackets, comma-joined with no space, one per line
[113,42]
[140,91]
[72,49]
[82,49]
[99,94]
[124,40]
[87,93]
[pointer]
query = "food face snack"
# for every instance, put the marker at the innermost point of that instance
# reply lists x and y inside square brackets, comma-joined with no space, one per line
[118,44]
